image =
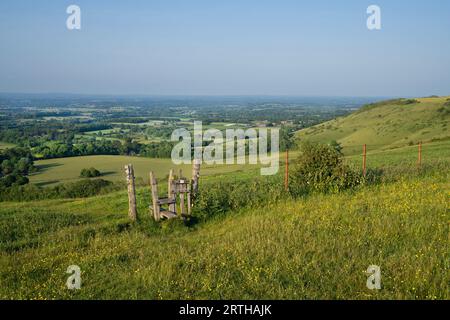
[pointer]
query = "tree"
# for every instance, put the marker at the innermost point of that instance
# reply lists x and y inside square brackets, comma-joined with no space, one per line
[7,167]
[286,138]
[23,165]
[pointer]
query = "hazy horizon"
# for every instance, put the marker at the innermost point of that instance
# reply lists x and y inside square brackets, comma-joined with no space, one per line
[234,48]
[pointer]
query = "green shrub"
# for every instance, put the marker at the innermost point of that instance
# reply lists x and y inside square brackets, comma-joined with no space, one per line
[337,146]
[320,168]
[80,189]
[90,173]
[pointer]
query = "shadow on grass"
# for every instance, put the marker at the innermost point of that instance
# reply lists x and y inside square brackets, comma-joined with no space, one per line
[45,167]
[108,173]
[46,183]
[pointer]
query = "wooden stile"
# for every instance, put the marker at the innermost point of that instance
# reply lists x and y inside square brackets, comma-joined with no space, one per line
[182,187]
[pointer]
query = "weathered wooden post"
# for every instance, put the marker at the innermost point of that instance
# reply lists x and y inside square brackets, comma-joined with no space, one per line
[171,192]
[419,160]
[182,189]
[182,209]
[155,198]
[132,212]
[286,172]
[189,202]
[195,178]
[364,159]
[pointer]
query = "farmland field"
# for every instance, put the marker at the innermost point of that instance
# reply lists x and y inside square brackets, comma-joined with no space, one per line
[53,171]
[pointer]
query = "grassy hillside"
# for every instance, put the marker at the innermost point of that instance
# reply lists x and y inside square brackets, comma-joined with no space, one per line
[318,247]
[387,125]
[406,155]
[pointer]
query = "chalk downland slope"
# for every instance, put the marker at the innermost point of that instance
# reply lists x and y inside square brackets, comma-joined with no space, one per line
[387,125]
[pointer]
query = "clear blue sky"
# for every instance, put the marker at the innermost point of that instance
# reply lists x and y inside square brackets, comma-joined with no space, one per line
[232,47]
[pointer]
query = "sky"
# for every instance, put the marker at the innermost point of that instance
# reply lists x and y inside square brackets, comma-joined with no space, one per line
[233,47]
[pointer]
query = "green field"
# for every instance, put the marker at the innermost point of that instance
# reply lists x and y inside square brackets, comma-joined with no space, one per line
[53,171]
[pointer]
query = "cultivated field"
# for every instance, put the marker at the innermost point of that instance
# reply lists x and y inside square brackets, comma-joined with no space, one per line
[53,171]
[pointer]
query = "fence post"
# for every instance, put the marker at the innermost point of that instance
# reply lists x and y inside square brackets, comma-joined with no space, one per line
[419,160]
[132,212]
[286,171]
[171,192]
[192,194]
[364,159]
[155,197]
[195,176]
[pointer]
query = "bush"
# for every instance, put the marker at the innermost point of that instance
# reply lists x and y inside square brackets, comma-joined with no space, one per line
[320,168]
[90,173]
[80,189]
[13,179]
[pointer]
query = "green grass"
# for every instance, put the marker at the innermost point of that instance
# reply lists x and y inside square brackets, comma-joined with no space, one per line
[407,155]
[316,248]
[386,125]
[6,145]
[53,171]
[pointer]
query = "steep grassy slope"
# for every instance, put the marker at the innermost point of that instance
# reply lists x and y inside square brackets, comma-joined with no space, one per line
[319,247]
[387,125]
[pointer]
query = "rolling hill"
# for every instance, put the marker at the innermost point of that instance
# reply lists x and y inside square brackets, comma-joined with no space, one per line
[387,125]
